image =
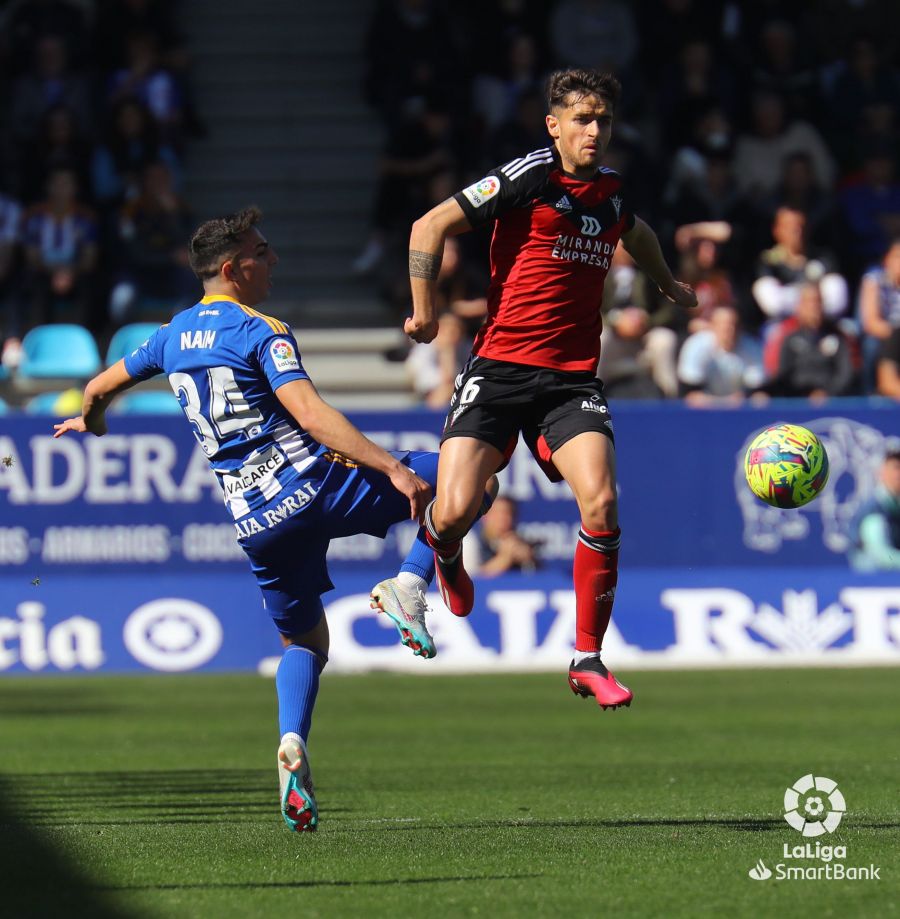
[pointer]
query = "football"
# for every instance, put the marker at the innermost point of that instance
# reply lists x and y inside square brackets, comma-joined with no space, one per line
[786,465]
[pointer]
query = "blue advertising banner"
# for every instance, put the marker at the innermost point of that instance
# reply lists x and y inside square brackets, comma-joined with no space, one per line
[143,499]
[69,623]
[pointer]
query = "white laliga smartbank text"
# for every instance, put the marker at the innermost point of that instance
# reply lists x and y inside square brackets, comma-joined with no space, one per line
[813,806]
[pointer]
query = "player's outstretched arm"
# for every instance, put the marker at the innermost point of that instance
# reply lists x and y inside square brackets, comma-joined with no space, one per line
[642,245]
[335,431]
[98,393]
[426,250]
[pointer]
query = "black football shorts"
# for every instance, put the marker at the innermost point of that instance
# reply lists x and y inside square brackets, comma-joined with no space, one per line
[494,400]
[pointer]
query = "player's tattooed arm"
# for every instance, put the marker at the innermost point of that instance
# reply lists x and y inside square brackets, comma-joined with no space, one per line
[424,264]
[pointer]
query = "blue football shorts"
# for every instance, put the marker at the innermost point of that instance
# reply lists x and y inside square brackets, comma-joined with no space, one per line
[287,553]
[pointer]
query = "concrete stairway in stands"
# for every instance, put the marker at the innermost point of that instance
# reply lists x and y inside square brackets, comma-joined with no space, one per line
[278,83]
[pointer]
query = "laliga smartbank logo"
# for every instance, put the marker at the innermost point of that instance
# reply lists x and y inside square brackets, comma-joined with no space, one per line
[814,805]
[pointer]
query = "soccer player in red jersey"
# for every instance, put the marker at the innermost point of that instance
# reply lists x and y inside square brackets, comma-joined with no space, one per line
[558,216]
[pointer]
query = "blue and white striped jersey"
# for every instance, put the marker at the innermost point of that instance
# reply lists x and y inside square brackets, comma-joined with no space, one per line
[224,362]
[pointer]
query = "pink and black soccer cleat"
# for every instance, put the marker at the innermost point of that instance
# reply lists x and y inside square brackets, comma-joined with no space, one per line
[591,678]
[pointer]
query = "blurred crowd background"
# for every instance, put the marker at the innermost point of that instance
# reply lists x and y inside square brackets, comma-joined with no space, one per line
[760,140]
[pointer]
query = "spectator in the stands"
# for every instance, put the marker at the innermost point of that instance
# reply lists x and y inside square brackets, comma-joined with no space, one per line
[60,240]
[879,307]
[872,208]
[596,34]
[10,238]
[785,268]
[694,85]
[817,358]
[496,95]
[798,190]
[720,365]
[153,268]
[639,346]
[116,19]
[863,81]
[888,369]
[525,130]
[410,54]
[418,148]
[783,64]
[702,168]
[495,546]
[759,154]
[58,142]
[144,77]
[31,20]
[132,141]
[50,83]
[432,369]
[876,526]
[699,246]
[497,22]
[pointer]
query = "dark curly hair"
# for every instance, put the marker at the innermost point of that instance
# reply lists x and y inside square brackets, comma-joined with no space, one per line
[218,240]
[564,83]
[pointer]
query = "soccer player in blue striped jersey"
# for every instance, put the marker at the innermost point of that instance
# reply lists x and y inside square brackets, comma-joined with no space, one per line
[295,473]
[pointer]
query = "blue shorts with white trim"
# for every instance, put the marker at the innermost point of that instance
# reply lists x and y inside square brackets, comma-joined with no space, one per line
[287,540]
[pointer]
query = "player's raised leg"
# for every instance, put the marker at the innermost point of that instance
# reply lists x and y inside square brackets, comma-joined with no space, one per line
[465,471]
[587,463]
[297,685]
[402,598]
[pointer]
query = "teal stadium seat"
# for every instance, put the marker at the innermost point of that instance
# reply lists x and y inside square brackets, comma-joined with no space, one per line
[49,403]
[147,402]
[58,351]
[127,339]
[4,408]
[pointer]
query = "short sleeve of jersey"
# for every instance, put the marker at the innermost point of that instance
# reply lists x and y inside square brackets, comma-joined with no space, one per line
[147,361]
[504,188]
[279,358]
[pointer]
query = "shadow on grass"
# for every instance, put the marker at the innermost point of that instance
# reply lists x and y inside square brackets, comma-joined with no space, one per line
[764,824]
[38,880]
[289,885]
[150,798]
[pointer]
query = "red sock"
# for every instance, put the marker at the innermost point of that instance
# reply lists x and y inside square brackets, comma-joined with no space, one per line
[445,549]
[595,574]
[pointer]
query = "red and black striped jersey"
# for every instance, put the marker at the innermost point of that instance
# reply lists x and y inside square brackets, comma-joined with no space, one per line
[553,242]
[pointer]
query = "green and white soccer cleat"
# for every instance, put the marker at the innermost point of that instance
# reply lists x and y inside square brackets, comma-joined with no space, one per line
[298,801]
[406,608]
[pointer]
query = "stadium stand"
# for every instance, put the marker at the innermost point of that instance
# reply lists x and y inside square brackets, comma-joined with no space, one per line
[54,402]
[301,113]
[147,402]
[58,352]
[126,339]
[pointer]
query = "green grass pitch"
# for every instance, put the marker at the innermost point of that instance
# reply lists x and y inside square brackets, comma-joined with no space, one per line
[448,796]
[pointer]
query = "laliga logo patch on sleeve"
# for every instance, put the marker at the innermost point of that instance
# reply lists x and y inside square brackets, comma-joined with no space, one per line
[283,355]
[482,191]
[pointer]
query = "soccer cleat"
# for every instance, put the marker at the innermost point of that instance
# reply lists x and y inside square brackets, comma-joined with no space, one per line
[298,801]
[591,678]
[454,584]
[407,610]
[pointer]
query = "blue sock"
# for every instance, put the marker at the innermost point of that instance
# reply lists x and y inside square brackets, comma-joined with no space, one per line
[420,558]
[297,685]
